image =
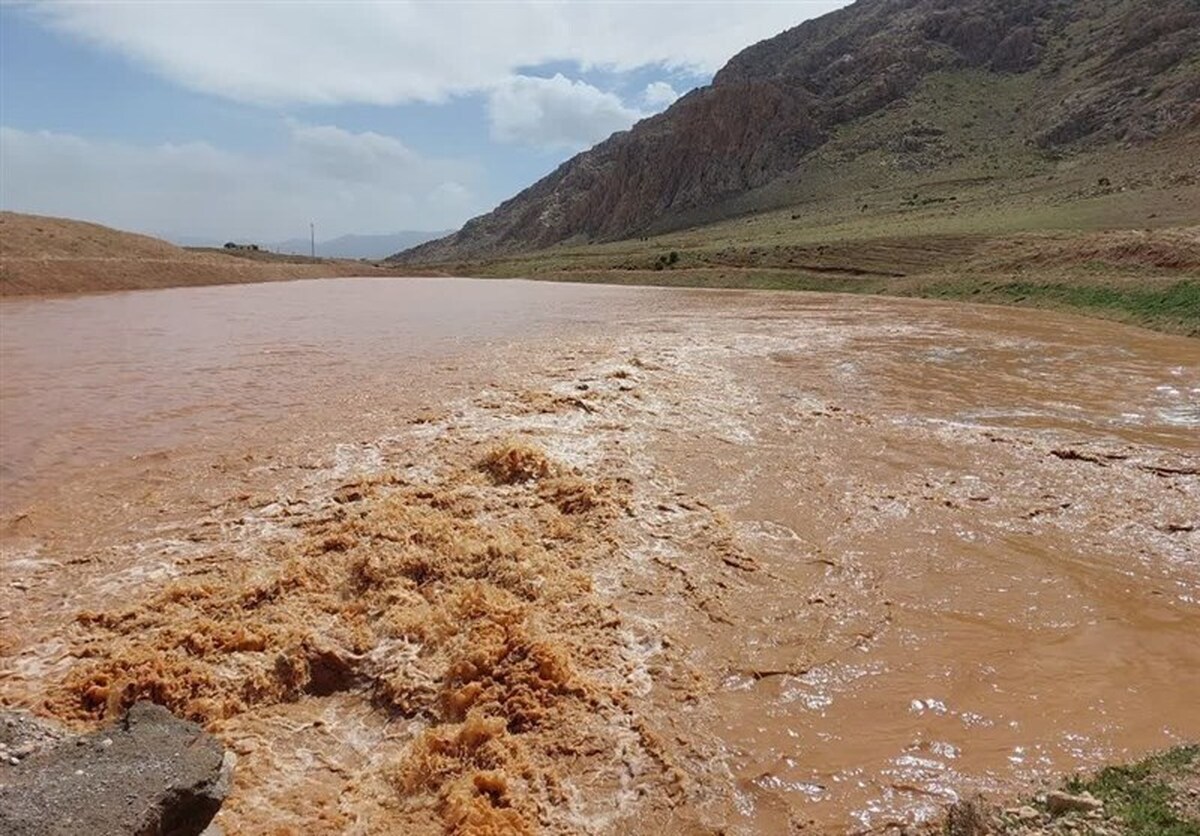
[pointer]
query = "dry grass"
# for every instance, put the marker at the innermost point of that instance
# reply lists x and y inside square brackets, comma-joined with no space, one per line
[40,255]
[40,237]
[1161,250]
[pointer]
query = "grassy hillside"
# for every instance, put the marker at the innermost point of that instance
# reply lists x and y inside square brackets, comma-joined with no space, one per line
[1110,233]
[1036,152]
[882,103]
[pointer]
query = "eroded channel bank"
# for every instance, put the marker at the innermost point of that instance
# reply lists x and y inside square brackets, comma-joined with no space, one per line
[631,560]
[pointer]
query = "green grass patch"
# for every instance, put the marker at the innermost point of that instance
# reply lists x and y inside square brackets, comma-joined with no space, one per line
[1140,794]
[1171,307]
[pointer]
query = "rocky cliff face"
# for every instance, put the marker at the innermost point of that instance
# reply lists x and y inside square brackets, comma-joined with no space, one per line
[1099,71]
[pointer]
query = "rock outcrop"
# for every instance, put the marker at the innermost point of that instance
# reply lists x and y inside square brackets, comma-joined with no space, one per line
[149,774]
[1097,71]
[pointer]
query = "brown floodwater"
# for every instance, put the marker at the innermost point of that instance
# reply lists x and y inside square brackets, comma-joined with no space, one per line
[92,378]
[878,553]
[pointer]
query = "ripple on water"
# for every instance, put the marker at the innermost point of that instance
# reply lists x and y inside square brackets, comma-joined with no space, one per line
[1183,415]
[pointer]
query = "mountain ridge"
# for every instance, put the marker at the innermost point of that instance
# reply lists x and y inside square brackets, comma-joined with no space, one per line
[1075,76]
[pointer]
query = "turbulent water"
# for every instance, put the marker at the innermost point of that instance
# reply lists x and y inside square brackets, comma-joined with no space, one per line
[440,554]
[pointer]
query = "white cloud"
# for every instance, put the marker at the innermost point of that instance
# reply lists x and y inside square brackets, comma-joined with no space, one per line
[659,95]
[392,52]
[555,112]
[346,182]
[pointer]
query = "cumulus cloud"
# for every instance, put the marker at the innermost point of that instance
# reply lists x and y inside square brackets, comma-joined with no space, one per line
[346,182]
[555,112]
[393,52]
[659,95]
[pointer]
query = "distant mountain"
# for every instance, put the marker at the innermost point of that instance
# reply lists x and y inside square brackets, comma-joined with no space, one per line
[358,246]
[862,98]
[345,246]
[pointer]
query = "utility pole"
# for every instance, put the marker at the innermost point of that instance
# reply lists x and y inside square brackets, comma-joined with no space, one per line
[312,240]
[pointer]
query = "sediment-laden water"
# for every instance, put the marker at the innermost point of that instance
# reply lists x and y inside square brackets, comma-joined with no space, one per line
[437,554]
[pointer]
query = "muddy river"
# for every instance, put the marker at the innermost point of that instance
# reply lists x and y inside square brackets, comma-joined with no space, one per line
[434,554]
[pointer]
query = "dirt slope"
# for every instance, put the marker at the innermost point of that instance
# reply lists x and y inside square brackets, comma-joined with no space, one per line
[42,255]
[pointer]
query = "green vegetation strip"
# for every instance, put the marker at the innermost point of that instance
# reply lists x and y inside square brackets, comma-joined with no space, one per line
[1169,306]
[1176,305]
[1142,796]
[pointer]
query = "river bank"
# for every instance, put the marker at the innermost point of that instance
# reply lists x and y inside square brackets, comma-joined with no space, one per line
[1149,278]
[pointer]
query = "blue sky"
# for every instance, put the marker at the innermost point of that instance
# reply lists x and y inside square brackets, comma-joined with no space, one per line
[247,119]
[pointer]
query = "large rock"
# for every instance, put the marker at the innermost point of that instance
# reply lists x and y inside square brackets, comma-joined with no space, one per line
[149,774]
[1060,803]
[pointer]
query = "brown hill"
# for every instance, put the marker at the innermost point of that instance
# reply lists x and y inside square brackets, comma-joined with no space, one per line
[882,91]
[38,237]
[43,255]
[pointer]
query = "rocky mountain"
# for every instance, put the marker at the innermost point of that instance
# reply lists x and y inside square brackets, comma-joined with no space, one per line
[1078,73]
